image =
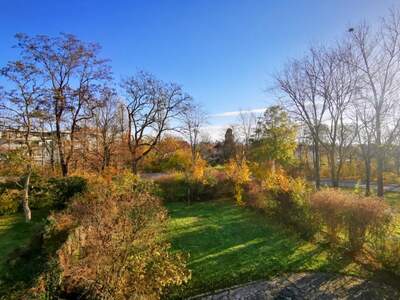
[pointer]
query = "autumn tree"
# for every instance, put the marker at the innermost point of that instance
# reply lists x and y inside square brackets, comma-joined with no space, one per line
[73,74]
[275,138]
[151,105]
[20,106]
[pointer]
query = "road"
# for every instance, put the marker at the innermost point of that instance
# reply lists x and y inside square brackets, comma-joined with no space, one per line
[353,183]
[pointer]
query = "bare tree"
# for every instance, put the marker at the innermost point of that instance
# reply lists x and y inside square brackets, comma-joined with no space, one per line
[299,82]
[193,118]
[246,127]
[338,85]
[20,107]
[151,107]
[74,73]
[106,124]
[365,129]
[377,57]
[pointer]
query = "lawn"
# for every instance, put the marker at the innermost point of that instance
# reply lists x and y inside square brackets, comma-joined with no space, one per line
[228,245]
[15,232]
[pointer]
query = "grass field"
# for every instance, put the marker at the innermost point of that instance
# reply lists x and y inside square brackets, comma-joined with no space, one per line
[16,233]
[228,245]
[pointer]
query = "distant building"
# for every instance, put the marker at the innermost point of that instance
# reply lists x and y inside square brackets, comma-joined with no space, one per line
[43,143]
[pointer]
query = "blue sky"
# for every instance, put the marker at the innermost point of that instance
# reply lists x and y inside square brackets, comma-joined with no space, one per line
[222,52]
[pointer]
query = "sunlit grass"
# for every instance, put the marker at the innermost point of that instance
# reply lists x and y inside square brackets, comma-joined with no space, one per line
[228,245]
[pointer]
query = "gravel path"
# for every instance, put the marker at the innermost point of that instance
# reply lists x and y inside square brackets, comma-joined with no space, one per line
[307,286]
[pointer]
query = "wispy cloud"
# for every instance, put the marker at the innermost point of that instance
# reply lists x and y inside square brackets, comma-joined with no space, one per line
[237,113]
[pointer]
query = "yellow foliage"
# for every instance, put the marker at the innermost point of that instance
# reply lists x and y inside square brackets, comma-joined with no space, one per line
[277,179]
[198,169]
[114,249]
[239,173]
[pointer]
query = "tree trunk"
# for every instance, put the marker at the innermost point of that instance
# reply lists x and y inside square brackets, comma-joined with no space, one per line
[134,166]
[106,157]
[64,168]
[317,167]
[25,201]
[52,157]
[63,163]
[334,178]
[367,177]
[379,158]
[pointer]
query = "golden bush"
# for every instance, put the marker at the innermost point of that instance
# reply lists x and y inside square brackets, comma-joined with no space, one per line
[114,249]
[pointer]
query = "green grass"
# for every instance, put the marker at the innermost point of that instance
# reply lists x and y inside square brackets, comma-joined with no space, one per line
[393,198]
[228,245]
[15,232]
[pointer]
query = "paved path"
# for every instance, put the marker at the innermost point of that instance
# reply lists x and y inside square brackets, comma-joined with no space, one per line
[307,286]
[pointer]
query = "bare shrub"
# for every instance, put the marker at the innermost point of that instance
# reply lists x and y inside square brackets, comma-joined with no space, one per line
[329,205]
[350,217]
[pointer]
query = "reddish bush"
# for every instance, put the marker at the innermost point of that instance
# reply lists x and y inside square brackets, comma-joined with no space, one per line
[350,217]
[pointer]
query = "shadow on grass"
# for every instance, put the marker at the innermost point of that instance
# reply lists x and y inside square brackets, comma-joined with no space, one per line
[228,245]
[25,255]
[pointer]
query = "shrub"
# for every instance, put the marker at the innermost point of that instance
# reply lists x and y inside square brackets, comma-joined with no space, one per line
[176,187]
[350,217]
[173,187]
[41,193]
[387,252]
[9,201]
[65,188]
[328,205]
[44,192]
[239,174]
[114,247]
[288,201]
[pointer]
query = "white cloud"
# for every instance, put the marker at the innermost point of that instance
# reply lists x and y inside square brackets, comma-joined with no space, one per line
[215,132]
[237,113]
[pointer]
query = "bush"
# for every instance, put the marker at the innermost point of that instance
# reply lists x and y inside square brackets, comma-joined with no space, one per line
[51,193]
[177,187]
[288,201]
[350,217]
[173,187]
[114,247]
[65,188]
[387,252]
[328,205]
[239,174]
[41,192]
[9,201]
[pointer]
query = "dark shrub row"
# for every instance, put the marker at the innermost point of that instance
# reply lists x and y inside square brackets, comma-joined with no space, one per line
[176,187]
[51,192]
